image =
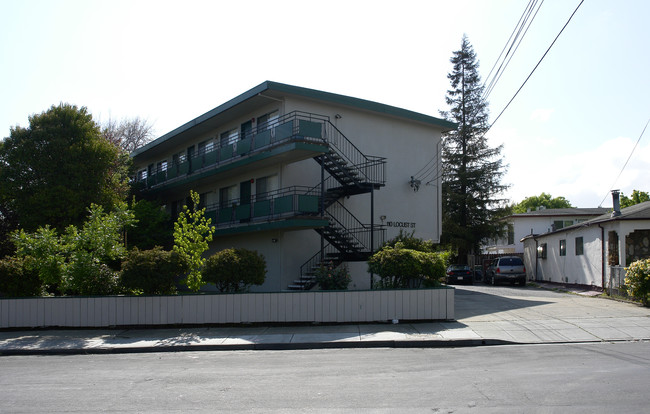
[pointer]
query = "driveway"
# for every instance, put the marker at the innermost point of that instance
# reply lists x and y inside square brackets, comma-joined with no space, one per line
[534,315]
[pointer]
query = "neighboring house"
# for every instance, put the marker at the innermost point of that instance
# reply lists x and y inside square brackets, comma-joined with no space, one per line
[302,176]
[538,222]
[584,253]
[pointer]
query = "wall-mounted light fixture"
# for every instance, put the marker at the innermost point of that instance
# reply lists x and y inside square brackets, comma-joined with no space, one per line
[415,184]
[274,240]
[337,116]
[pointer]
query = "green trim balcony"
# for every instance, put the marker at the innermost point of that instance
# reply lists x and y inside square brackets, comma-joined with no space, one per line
[287,208]
[293,137]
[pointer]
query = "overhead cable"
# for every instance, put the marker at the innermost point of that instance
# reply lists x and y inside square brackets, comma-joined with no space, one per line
[625,165]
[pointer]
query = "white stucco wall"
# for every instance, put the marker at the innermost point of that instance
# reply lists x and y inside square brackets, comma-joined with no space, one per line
[408,146]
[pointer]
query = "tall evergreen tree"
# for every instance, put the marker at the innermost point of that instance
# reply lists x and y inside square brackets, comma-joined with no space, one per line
[471,184]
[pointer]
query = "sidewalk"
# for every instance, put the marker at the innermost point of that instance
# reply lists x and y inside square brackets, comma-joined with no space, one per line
[514,316]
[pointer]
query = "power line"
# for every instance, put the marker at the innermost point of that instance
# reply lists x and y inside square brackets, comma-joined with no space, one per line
[625,165]
[508,42]
[524,22]
[535,68]
[487,93]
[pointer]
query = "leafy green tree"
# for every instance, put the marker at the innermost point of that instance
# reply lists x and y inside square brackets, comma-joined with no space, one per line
[80,261]
[53,170]
[192,233]
[543,200]
[637,197]
[154,226]
[471,184]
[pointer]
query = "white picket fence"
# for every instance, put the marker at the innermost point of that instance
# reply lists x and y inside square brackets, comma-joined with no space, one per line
[310,306]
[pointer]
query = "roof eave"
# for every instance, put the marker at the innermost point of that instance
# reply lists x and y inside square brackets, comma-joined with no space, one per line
[307,93]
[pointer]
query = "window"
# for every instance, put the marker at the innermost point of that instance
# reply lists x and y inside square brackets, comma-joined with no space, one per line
[511,234]
[142,175]
[562,247]
[205,146]
[541,251]
[267,121]
[264,185]
[228,137]
[560,224]
[226,196]
[162,166]
[579,246]
[179,158]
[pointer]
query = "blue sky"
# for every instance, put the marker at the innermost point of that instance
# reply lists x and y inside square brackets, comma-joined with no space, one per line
[568,132]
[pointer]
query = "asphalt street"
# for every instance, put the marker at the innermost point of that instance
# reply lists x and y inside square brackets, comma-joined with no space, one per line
[575,378]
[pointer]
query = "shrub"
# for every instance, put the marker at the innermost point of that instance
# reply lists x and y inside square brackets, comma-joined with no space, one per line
[637,280]
[88,276]
[331,278]
[398,267]
[77,261]
[235,270]
[409,241]
[19,277]
[152,272]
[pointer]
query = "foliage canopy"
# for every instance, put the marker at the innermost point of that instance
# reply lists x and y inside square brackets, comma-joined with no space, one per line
[53,170]
[637,197]
[543,200]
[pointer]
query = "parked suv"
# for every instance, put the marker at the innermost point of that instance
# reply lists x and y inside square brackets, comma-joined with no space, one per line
[507,268]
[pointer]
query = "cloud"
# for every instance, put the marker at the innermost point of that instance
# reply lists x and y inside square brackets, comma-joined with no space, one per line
[542,114]
[584,178]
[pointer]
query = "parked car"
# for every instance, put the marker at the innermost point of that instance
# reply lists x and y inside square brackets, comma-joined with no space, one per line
[460,274]
[507,269]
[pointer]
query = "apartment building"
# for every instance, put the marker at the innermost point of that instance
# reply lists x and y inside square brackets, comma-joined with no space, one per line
[303,177]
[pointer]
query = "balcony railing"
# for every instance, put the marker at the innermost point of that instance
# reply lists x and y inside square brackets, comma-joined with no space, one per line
[296,126]
[293,127]
[270,206]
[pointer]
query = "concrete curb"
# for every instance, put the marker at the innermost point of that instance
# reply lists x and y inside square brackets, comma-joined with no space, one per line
[395,344]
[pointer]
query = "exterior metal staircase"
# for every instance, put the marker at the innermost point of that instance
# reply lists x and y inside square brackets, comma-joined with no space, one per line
[350,173]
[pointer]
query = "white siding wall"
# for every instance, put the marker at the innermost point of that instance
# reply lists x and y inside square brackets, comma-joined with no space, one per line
[354,306]
[582,269]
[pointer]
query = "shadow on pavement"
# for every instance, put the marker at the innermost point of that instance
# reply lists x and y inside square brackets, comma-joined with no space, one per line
[469,303]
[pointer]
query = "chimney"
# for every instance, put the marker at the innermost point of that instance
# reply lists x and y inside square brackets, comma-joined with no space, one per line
[617,203]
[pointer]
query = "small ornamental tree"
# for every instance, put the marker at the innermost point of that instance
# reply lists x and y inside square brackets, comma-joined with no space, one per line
[192,233]
[637,280]
[235,270]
